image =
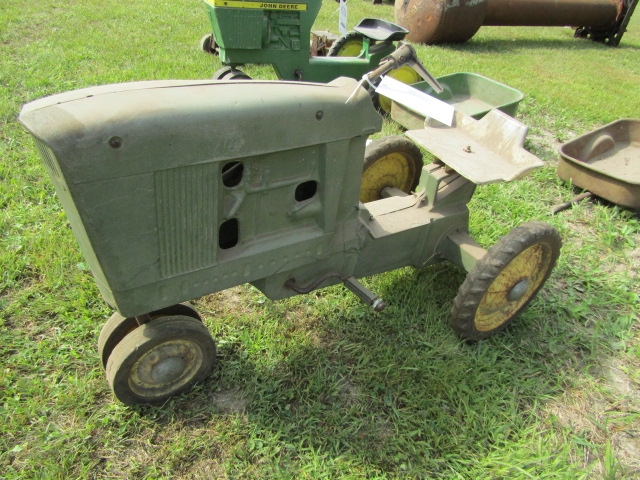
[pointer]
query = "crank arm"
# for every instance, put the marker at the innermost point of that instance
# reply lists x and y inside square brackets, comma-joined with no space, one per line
[404,55]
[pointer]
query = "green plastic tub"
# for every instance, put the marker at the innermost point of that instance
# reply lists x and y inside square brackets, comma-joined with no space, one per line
[471,93]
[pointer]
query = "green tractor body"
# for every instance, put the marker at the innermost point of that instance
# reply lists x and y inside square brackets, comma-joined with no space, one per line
[279,34]
[178,189]
[175,192]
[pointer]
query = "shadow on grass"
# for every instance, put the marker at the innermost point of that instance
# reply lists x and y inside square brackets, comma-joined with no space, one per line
[397,393]
[480,45]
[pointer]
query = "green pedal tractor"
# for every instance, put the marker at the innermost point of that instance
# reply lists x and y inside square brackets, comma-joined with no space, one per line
[177,189]
[279,34]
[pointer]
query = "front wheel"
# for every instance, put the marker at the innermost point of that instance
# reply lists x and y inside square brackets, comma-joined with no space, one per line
[160,359]
[505,280]
[230,73]
[118,327]
[208,45]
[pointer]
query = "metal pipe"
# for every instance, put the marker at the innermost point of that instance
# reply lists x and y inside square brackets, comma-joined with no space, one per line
[447,21]
[553,13]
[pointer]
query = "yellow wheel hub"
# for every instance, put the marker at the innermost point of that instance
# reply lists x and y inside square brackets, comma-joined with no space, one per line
[392,170]
[513,287]
[351,48]
[404,74]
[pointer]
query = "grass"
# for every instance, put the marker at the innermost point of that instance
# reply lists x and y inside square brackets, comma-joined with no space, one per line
[317,386]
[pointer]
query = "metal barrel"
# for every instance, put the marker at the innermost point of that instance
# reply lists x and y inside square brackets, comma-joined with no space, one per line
[443,21]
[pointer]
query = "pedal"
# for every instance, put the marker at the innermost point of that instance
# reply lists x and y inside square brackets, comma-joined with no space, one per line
[364,294]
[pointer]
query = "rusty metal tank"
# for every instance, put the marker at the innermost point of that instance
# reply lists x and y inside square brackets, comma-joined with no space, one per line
[440,21]
[444,21]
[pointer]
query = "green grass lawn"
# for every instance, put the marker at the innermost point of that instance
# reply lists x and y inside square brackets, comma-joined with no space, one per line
[318,386]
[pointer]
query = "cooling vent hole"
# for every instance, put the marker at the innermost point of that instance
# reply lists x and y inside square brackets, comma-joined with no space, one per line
[232,174]
[228,234]
[306,190]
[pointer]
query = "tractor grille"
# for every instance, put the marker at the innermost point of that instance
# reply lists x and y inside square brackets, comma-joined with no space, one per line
[186,212]
[49,160]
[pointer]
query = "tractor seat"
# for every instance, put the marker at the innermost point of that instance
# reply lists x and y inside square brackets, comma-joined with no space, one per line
[483,151]
[381,30]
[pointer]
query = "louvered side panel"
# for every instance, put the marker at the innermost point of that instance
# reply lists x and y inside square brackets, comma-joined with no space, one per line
[49,160]
[186,209]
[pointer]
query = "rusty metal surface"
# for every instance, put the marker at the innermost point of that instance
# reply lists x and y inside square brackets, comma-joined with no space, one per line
[445,21]
[440,21]
[321,42]
[606,162]
[553,13]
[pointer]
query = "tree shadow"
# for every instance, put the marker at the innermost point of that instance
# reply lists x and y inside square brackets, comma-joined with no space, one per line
[487,45]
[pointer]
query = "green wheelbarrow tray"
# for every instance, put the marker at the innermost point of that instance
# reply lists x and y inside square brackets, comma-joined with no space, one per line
[471,93]
[606,162]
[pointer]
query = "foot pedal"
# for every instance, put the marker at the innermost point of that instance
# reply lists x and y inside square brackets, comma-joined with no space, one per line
[364,294]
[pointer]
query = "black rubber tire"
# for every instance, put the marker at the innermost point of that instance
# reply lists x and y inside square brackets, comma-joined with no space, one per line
[117,327]
[385,154]
[208,45]
[237,75]
[483,298]
[221,73]
[160,359]
[230,73]
[343,42]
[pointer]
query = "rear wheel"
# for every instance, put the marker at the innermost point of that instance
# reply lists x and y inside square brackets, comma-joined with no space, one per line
[160,359]
[348,45]
[393,161]
[505,280]
[404,74]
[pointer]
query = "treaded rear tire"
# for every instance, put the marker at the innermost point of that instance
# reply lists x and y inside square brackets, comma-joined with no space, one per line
[343,45]
[496,291]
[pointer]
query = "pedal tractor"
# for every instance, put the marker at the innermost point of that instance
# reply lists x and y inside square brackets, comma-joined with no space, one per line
[175,192]
[279,34]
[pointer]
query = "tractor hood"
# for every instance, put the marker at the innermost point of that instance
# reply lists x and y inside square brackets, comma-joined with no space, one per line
[105,131]
[176,189]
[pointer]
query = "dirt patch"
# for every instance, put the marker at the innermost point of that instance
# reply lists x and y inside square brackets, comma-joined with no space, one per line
[230,401]
[350,393]
[633,261]
[606,414]
[546,143]
[232,300]
[204,468]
